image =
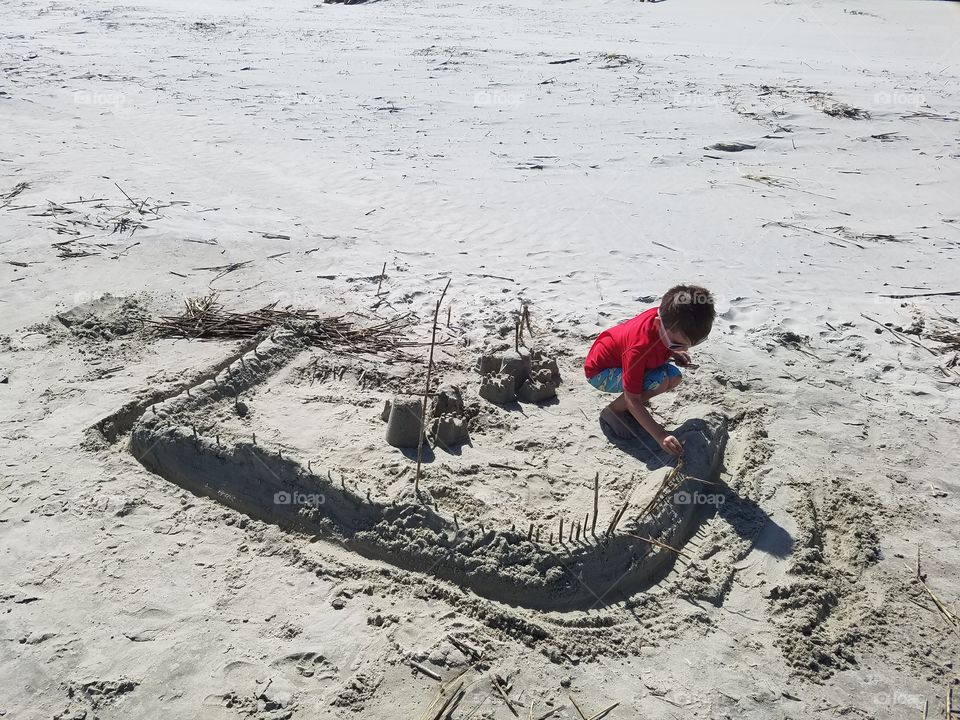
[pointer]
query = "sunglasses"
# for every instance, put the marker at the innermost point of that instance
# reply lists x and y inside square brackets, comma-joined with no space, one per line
[673,345]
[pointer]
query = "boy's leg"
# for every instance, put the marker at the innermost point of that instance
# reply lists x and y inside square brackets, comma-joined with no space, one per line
[612,417]
[619,404]
[660,380]
[666,386]
[656,382]
[615,421]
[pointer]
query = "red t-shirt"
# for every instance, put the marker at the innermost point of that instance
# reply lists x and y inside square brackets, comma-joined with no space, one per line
[634,345]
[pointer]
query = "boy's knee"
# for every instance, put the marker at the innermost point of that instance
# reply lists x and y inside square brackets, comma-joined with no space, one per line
[674,381]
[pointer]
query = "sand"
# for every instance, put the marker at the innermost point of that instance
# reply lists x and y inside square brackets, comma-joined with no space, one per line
[574,159]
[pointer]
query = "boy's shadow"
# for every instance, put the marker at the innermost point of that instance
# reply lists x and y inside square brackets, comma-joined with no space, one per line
[744,515]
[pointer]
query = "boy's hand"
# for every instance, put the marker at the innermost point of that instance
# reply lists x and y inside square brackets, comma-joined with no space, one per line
[671,445]
[682,358]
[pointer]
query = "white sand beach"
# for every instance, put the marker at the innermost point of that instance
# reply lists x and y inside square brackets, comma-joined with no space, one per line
[800,158]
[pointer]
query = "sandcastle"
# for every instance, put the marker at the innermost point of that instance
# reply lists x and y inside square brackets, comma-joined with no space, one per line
[521,375]
[447,424]
[505,377]
[201,440]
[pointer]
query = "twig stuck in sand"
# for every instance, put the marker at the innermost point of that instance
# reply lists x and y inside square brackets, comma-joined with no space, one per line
[830,236]
[426,390]
[451,699]
[951,618]
[525,318]
[779,182]
[596,504]
[383,274]
[421,669]
[598,716]
[11,194]
[549,713]
[949,293]
[898,335]
[659,544]
[670,483]
[133,202]
[603,713]
[503,693]
[465,648]
[222,270]
[664,246]
[616,519]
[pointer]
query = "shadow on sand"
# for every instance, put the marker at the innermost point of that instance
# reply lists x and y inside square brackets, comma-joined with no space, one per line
[749,520]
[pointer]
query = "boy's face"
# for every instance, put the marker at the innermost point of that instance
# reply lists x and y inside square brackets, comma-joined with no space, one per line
[675,340]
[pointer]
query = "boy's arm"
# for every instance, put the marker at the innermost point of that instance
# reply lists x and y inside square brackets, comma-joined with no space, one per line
[639,411]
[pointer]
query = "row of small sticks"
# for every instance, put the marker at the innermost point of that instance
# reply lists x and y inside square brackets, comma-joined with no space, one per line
[577,531]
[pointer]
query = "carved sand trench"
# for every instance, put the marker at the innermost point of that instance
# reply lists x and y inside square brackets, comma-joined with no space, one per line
[256,477]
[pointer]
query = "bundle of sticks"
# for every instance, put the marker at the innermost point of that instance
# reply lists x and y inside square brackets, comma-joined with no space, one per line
[206,318]
[671,482]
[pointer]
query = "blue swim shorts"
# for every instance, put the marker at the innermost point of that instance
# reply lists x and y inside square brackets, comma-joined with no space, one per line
[611,379]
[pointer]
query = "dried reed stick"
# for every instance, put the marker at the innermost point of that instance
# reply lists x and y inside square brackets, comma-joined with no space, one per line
[596,503]
[426,390]
[659,544]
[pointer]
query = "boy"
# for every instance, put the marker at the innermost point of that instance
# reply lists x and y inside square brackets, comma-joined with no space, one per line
[632,359]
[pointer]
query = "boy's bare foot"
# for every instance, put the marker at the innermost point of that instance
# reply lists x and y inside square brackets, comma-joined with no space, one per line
[616,424]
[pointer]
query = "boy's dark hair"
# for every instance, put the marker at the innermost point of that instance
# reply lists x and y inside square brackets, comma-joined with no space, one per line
[688,309]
